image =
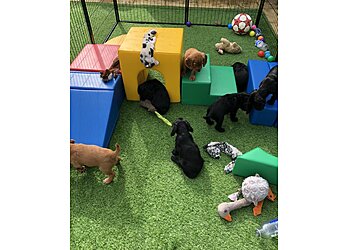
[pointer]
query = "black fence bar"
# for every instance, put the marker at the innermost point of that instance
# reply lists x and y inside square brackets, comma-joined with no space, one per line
[87,20]
[187,7]
[116,11]
[261,7]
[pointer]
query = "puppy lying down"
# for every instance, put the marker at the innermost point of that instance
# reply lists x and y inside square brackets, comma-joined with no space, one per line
[186,153]
[82,155]
[229,103]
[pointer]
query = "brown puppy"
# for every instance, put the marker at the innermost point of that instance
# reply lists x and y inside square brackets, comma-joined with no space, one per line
[194,60]
[82,155]
[112,72]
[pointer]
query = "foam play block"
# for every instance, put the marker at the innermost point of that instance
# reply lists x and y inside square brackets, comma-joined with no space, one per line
[257,161]
[258,70]
[118,40]
[197,92]
[95,57]
[90,80]
[94,112]
[222,81]
[168,51]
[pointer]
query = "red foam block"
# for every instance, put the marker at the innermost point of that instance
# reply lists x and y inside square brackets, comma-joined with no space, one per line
[95,57]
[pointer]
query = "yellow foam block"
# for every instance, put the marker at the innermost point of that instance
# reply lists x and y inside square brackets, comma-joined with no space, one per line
[168,51]
[116,40]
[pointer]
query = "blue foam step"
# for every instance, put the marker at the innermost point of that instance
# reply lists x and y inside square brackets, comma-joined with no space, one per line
[258,70]
[90,80]
[94,112]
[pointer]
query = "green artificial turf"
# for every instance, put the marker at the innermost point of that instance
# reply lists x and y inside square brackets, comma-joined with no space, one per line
[151,204]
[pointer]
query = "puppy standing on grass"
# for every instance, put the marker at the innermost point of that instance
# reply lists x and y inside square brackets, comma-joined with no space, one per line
[194,60]
[82,155]
[229,103]
[186,153]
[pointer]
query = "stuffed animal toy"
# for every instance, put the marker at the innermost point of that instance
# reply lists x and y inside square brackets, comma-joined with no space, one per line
[254,190]
[227,46]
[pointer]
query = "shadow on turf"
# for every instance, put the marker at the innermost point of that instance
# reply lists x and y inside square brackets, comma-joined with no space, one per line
[88,198]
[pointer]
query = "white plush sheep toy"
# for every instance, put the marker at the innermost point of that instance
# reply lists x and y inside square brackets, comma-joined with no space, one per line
[254,190]
[226,46]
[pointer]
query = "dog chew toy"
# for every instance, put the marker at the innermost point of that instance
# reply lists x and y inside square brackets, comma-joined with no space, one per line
[254,190]
[252,33]
[261,53]
[227,46]
[148,105]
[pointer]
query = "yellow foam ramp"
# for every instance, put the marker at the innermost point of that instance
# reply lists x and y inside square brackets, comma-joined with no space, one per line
[168,51]
[116,40]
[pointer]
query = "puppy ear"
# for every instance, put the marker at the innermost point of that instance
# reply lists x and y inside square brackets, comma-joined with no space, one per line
[189,126]
[173,131]
[205,58]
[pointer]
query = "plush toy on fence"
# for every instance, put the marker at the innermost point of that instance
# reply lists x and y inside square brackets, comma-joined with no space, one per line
[254,190]
[227,46]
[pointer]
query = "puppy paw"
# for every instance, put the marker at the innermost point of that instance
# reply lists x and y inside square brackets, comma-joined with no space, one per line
[220,129]
[209,122]
[192,78]
[81,170]
[108,180]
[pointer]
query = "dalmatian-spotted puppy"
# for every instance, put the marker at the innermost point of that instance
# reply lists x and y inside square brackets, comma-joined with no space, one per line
[147,51]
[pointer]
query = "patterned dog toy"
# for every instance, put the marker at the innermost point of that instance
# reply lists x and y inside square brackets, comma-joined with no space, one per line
[214,149]
[147,51]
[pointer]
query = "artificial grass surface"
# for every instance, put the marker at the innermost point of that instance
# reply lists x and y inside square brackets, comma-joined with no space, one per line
[151,204]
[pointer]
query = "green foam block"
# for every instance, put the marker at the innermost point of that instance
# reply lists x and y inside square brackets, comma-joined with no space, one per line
[257,161]
[222,81]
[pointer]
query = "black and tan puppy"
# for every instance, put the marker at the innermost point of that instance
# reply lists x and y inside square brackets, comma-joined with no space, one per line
[194,60]
[156,93]
[186,153]
[229,103]
[269,85]
[111,72]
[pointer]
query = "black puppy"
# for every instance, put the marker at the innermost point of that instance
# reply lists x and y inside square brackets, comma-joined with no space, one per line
[269,85]
[156,93]
[186,153]
[229,103]
[240,71]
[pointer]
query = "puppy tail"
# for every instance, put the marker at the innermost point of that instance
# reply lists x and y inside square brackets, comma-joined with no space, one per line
[117,152]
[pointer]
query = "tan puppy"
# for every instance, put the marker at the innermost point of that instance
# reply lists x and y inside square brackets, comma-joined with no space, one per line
[82,155]
[193,60]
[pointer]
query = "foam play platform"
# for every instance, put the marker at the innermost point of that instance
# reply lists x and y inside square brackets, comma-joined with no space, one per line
[257,161]
[94,107]
[211,83]
[95,57]
[168,51]
[258,70]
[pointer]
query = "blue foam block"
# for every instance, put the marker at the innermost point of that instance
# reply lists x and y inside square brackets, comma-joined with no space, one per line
[94,113]
[90,80]
[257,72]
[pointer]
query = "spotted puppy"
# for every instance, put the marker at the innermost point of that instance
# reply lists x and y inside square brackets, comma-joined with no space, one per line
[147,51]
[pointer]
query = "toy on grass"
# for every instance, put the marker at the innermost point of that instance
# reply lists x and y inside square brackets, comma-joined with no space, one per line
[267,54]
[271,59]
[188,23]
[258,32]
[261,45]
[252,33]
[254,190]
[253,27]
[148,105]
[227,46]
[261,38]
[261,53]
[241,23]
[229,26]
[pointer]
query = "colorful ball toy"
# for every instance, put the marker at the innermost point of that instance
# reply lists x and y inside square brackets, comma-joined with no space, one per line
[261,53]
[254,27]
[242,23]
[271,58]
[252,33]
[267,54]
[188,23]
[229,26]
[261,38]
